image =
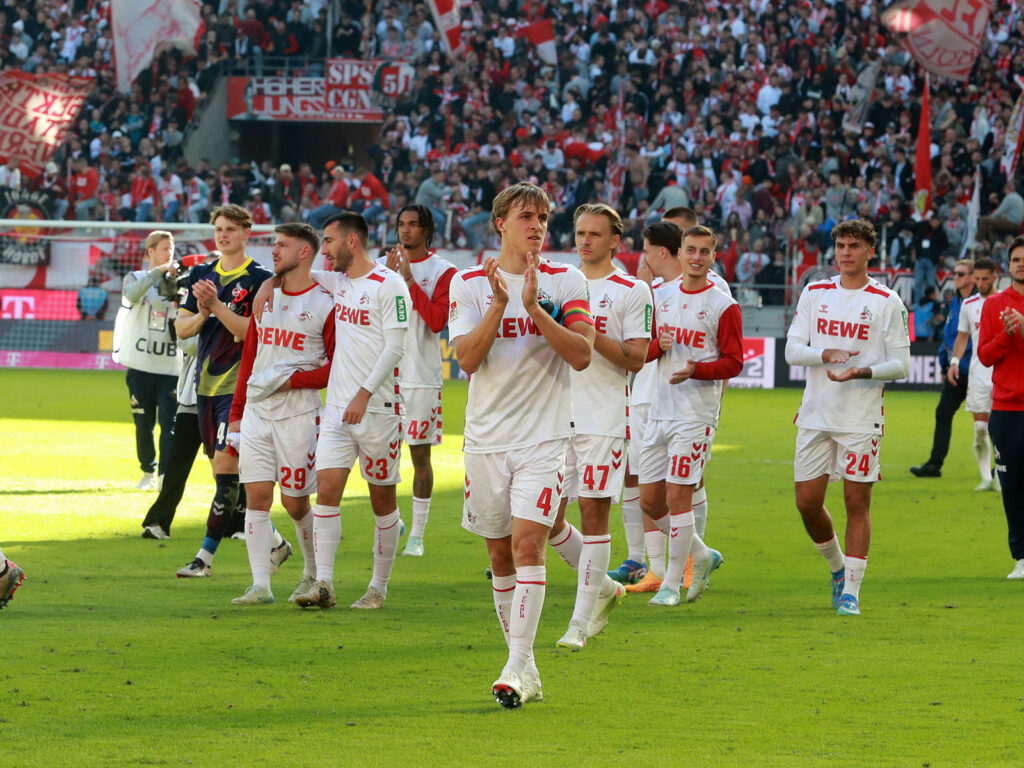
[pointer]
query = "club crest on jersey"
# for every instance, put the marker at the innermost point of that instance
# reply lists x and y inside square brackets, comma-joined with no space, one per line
[364,300]
[866,314]
[303,316]
[605,302]
[703,315]
[238,294]
[542,296]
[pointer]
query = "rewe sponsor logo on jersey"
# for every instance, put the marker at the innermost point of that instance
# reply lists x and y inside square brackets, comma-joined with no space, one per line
[843,329]
[354,316]
[278,337]
[513,327]
[687,336]
[601,324]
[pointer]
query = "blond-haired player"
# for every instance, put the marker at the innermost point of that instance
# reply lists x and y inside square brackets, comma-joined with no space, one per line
[518,325]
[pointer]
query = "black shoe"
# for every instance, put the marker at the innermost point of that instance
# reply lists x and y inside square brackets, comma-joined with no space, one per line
[926,470]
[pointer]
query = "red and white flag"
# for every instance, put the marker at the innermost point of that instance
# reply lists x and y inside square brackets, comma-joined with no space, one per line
[36,112]
[449,22]
[541,34]
[1014,134]
[923,158]
[943,35]
[141,27]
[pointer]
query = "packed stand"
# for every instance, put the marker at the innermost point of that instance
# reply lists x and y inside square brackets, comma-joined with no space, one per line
[735,110]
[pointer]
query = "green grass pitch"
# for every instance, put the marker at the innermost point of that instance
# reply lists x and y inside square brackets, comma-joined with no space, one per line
[107,660]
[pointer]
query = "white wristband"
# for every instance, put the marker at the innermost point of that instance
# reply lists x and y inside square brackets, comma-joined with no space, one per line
[954,361]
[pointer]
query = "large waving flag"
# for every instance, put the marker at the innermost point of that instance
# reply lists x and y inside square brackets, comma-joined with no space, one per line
[1014,133]
[541,34]
[923,158]
[943,35]
[446,17]
[141,27]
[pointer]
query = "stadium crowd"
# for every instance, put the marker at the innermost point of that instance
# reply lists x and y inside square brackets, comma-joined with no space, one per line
[735,109]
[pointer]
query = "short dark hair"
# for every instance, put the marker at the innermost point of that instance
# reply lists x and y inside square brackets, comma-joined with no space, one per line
[1018,242]
[664,233]
[682,212]
[984,262]
[426,218]
[698,231]
[301,231]
[350,221]
[862,229]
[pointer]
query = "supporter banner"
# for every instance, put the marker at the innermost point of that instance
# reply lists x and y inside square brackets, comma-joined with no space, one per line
[141,27]
[943,35]
[860,99]
[925,371]
[25,246]
[17,304]
[35,114]
[541,34]
[923,157]
[352,91]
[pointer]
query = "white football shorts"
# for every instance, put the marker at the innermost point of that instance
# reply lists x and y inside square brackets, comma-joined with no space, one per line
[979,393]
[594,467]
[279,450]
[638,422]
[526,483]
[848,455]
[675,452]
[376,442]
[423,424]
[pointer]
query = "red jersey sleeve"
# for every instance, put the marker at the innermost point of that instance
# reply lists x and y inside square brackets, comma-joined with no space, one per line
[433,309]
[993,340]
[317,378]
[730,345]
[244,371]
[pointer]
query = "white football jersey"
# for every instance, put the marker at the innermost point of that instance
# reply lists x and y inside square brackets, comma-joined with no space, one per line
[421,365]
[970,322]
[702,323]
[719,282]
[519,396]
[871,320]
[364,308]
[623,309]
[641,391]
[288,338]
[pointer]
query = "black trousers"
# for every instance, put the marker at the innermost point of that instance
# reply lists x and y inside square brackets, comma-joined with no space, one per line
[152,394]
[1007,431]
[179,464]
[950,400]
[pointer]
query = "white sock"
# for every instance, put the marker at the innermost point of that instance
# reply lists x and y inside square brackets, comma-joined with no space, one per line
[326,535]
[275,536]
[664,523]
[655,542]
[420,513]
[983,450]
[304,534]
[855,567]
[502,588]
[633,522]
[593,570]
[832,552]
[206,556]
[679,540]
[527,604]
[569,545]
[700,510]
[259,540]
[384,551]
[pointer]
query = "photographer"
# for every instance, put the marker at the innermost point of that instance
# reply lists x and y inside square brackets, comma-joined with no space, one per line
[145,344]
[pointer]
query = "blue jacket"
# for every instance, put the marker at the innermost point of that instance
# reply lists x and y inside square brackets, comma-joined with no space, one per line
[950,333]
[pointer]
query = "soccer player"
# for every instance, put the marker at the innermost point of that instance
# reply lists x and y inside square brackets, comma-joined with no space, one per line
[362,420]
[699,345]
[427,277]
[596,462]
[217,307]
[979,381]
[276,409]
[1001,345]
[852,334]
[518,324]
[11,578]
